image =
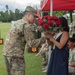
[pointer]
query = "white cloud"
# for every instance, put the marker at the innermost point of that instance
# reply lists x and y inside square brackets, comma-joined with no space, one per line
[19,4]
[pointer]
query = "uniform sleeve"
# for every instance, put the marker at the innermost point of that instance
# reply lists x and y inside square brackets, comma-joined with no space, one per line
[29,37]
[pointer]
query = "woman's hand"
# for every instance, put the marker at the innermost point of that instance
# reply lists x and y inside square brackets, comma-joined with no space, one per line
[48,35]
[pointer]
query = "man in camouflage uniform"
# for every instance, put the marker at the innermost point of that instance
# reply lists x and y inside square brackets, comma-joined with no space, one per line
[21,32]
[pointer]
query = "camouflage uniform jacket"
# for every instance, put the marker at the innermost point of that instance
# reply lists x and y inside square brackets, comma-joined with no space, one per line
[19,34]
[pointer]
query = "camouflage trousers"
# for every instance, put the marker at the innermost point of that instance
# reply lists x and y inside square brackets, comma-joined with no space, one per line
[15,65]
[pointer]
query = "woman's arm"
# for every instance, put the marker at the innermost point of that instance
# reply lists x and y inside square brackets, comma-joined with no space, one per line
[62,42]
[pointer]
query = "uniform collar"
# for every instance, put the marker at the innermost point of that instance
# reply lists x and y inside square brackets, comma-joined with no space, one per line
[26,20]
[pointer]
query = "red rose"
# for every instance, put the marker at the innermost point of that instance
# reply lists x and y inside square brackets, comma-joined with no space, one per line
[58,23]
[55,18]
[50,17]
[45,26]
[50,22]
[46,17]
[40,22]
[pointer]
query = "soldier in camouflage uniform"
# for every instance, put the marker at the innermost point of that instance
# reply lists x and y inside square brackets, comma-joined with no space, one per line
[21,32]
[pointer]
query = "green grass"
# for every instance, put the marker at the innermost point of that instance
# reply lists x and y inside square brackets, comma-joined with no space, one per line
[33,63]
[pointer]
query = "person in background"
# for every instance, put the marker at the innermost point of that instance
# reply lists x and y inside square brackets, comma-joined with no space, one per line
[58,64]
[20,33]
[44,53]
[73,31]
[43,49]
[71,65]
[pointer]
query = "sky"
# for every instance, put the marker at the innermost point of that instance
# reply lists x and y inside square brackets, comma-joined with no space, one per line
[19,4]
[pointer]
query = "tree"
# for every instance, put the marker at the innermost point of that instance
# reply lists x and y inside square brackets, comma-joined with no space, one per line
[2,16]
[7,8]
[17,14]
[6,13]
[12,16]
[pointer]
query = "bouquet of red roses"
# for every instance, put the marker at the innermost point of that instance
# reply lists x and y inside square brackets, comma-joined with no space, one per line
[49,23]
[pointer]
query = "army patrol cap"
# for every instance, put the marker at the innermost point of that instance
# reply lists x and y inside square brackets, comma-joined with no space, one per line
[31,10]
